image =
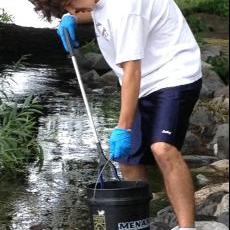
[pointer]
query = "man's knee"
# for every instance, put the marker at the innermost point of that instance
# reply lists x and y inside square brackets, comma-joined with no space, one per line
[165,154]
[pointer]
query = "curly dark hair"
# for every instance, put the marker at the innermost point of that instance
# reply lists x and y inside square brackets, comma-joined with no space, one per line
[49,8]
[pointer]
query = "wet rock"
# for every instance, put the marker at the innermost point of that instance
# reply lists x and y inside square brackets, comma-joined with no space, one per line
[39,227]
[57,158]
[220,142]
[110,78]
[105,83]
[97,62]
[91,79]
[82,61]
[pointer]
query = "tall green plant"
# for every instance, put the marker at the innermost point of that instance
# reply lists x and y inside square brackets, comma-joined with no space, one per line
[18,132]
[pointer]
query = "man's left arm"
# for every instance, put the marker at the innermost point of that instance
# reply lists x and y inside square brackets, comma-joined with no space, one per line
[121,137]
[129,93]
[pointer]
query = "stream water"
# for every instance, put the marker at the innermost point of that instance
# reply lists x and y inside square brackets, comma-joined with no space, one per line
[53,197]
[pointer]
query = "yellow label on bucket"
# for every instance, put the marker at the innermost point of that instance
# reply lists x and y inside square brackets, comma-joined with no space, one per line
[99,220]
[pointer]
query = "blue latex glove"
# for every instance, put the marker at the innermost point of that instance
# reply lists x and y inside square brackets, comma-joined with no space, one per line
[68,22]
[120,143]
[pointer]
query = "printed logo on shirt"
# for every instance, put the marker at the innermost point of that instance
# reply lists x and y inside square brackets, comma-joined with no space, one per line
[101,31]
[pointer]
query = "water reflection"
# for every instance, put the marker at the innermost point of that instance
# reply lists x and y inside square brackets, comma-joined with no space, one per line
[54,198]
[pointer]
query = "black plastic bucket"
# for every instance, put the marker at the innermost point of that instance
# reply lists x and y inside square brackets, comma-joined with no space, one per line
[120,205]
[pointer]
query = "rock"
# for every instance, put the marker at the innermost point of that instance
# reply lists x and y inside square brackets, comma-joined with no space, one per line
[223,92]
[198,161]
[210,225]
[209,206]
[203,125]
[192,144]
[224,218]
[202,180]
[110,79]
[166,216]
[210,51]
[203,193]
[211,81]
[222,166]
[158,226]
[221,103]
[206,225]
[202,116]
[97,62]
[220,142]
[223,206]
[39,227]
[217,168]
[226,103]
[91,79]
[82,61]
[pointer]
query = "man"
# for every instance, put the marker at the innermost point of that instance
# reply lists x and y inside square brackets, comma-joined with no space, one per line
[153,52]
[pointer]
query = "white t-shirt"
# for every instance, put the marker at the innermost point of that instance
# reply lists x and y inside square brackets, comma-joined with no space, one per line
[153,31]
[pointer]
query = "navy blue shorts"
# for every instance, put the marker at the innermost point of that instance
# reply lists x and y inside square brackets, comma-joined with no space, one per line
[162,116]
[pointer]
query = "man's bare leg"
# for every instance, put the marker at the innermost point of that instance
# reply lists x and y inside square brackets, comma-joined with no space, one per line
[178,182]
[134,172]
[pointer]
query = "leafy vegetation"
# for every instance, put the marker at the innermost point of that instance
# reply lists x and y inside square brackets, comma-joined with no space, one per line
[18,132]
[196,24]
[5,17]
[218,7]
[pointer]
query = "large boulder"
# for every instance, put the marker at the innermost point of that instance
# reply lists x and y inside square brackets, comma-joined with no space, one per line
[211,81]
